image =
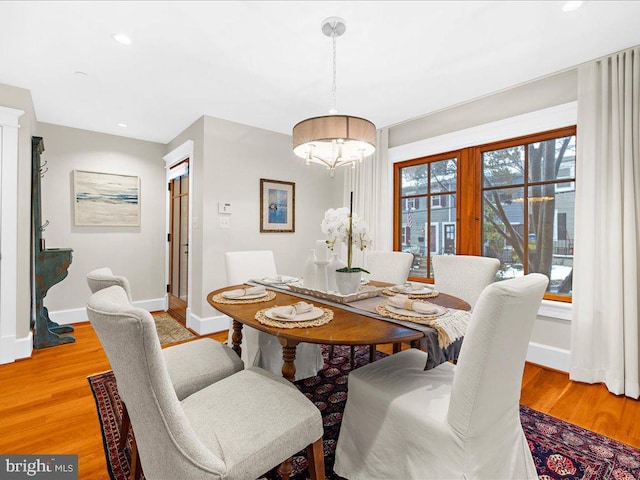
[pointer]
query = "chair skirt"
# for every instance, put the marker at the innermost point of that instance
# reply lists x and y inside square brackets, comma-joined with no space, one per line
[395,427]
[262,350]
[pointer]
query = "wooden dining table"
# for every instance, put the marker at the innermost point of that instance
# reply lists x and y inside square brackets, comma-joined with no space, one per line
[346,328]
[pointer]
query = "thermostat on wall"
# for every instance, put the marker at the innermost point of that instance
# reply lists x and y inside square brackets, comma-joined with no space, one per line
[224,207]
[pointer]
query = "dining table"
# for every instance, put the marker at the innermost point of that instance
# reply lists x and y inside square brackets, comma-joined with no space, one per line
[348,326]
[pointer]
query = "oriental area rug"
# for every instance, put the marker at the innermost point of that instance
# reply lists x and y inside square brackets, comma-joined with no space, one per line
[561,451]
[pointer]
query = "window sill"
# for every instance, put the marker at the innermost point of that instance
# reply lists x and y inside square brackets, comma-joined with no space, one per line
[556,310]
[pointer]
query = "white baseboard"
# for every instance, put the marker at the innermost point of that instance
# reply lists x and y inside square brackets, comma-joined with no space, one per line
[77,315]
[205,326]
[12,348]
[547,356]
[153,305]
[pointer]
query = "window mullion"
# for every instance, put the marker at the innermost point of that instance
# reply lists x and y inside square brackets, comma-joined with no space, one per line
[525,195]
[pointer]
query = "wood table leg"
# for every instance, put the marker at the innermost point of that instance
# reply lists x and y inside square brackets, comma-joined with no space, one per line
[397,347]
[372,353]
[289,357]
[289,366]
[236,338]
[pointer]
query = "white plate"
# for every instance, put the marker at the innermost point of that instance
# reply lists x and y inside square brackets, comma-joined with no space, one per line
[415,290]
[303,317]
[246,297]
[411,313]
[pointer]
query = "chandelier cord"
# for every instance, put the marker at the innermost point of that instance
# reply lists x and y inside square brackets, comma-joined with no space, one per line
[334,110]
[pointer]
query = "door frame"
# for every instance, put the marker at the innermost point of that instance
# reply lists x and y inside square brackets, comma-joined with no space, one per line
[11,347]
[177,155]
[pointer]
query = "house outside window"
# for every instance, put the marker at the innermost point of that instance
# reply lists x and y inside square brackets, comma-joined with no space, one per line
[427,200]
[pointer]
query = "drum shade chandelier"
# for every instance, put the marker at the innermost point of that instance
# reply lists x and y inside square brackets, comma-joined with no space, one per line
[334,140]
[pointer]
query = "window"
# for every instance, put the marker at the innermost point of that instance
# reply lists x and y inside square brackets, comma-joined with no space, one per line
[426,201]
[512,200]
[410,204]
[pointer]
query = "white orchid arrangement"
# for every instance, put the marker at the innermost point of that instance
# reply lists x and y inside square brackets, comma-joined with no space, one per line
[340,224]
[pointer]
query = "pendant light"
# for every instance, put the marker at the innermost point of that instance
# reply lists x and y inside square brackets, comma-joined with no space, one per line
[334,140]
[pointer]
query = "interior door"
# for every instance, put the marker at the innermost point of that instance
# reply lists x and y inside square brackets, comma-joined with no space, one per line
[179,241]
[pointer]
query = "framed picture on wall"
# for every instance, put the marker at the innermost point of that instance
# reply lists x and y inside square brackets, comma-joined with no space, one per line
[277,206]
[106,199]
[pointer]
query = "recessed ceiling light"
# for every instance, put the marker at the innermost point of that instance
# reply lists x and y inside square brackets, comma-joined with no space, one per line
[81,74]
[122,125]
[122,38]
[570,6]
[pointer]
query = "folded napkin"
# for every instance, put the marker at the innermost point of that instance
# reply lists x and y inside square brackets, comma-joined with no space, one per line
[408,288]
[402,301]
[290,311]
[243,292]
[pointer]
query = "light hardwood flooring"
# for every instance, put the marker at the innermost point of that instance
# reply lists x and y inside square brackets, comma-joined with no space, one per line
[46,405]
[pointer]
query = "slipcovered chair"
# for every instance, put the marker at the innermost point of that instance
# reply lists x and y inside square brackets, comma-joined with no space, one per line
[451,421]
[237,428]
[260,349]
[389,267]
[191,365]
[464,276]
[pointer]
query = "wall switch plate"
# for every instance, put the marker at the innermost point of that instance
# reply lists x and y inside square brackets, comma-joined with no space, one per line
[225,222]
[224,207]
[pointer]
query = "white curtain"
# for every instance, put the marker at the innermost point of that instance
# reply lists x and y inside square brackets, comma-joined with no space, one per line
[605,337]
[369,182]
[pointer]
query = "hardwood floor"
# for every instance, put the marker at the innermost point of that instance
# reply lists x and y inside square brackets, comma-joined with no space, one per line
[46,405]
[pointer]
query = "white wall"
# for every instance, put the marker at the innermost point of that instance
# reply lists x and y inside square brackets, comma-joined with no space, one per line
[234,159]
[540,105]
[134,252]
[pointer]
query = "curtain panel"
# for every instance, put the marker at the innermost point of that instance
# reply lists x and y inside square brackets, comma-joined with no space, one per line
[369,182]
[605,335]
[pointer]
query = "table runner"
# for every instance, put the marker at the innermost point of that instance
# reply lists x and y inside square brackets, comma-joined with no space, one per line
[367,307]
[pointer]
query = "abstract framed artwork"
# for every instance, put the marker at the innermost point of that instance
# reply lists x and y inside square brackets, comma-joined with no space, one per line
[277,206]
[106,199]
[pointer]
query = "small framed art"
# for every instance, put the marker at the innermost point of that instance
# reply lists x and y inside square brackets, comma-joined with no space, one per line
[277,206]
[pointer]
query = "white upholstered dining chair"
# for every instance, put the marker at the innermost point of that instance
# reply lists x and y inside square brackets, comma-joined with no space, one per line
[103,277]
[237,428]
[260,349]
[451,421]
[390,267]
[191,365]
[464,276]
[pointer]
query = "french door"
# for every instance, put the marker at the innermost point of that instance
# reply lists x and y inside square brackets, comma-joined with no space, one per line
[179,242]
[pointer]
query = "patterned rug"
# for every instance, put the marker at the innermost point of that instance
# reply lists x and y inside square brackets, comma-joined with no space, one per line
[561,451]
[170,330]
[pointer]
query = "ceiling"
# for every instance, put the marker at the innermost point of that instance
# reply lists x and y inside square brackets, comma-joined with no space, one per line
[267,64]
